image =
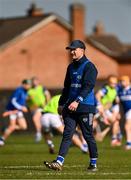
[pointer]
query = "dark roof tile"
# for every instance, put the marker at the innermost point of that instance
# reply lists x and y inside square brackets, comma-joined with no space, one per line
[111,45]
[10,28]
[109,41]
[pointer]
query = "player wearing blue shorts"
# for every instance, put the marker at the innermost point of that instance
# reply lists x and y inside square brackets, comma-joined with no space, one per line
[124,93]
[15,108]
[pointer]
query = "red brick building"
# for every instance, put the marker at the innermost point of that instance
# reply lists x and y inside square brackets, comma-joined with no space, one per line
[35,45]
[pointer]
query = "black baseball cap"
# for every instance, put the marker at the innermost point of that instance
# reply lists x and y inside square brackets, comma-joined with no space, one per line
[26,81]
[76,44]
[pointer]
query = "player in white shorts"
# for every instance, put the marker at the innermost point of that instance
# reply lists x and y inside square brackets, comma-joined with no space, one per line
[15,108]
[38,96]
[108,107]
[51,119]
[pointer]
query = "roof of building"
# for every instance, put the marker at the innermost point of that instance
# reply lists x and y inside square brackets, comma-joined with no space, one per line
[14,28]
[11,28]
[111,45]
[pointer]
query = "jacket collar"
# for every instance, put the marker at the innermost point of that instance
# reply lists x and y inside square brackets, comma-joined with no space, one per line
[80,61]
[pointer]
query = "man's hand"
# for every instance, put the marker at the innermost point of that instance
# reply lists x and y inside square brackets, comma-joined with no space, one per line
[60,108]
[7,113]
[24,109]
[73,106]
[100,109]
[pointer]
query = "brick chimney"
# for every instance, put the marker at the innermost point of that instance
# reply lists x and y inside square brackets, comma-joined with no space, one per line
[99,28]
[34,10]
[78,21]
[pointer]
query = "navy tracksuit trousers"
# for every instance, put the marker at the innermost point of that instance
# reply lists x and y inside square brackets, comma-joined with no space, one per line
[85,122]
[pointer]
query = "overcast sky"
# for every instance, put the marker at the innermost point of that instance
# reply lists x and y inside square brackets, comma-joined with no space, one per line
[115,14]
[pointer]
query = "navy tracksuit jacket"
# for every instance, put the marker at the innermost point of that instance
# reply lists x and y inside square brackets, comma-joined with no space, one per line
[79,86]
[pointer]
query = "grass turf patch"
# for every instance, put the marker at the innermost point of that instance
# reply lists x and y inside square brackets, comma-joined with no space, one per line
[21,158]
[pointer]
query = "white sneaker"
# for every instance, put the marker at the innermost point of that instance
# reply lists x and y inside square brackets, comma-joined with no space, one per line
[128,147]
[115,142]
[84,148]
[38,137]
[2,143]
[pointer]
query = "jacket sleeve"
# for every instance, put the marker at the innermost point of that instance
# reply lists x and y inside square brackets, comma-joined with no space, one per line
[65,91]
[14,100]
[88,81]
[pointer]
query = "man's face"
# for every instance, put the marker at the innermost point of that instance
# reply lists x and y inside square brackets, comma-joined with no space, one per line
[27,86]
[125,83]
[113,82]
[35,82]
[77,53]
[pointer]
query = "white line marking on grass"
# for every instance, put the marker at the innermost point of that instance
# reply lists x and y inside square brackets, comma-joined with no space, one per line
[85,173]
[23,166]
[40,166]
[62,172]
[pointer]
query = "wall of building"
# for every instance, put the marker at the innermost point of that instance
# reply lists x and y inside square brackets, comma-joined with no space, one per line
[105,64]
[42,54]
[125,69]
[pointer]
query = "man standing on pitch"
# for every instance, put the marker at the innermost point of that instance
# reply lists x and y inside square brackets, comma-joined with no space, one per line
[77,104]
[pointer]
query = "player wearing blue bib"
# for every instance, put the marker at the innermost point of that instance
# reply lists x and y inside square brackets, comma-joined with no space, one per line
[124,93]
[77,104]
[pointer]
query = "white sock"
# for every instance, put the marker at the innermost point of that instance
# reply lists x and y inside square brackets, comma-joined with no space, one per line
[50,143]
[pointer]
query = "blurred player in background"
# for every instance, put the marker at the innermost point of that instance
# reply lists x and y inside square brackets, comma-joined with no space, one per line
[15,109]
[38,96]
[51,119]
[108,107]
[124,93]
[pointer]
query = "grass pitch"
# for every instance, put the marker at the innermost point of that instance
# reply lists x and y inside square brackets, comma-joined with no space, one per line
[21,158]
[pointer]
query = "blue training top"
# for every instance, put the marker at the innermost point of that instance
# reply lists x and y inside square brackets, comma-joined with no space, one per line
[125,97]
[79,85]
[18,99]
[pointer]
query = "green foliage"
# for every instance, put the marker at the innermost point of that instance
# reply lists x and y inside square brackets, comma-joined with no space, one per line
[21,158]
